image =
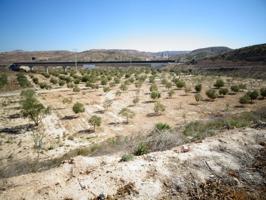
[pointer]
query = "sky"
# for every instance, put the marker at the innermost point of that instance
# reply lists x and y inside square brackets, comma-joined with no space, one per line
[146,25]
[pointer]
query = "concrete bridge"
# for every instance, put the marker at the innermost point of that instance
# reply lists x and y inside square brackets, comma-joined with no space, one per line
[65,64]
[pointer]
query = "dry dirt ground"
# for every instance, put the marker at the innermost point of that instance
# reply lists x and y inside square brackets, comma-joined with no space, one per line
[66,131]
[228,158]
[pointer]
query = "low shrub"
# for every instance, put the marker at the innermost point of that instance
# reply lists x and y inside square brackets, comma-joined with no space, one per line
[198,87]
[211,94]
[141,149]
[162,126]
[22,80]
[235,88]
[253,94]
[263,92]
[223,91]
[180,83]
[3,80]
[245,99]
[126,157]
[35,80]
[76,89]
[44,86]
[53,80]
[78,108]
[219,83]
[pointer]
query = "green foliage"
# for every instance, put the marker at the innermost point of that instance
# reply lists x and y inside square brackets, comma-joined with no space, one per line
[235,88]
[211,94]
[198,88]
[67,100]
[35,80]
[253,94]
[223,91]
[3,80]
[168,85]
[242,86]
[106,89]
[77,81]
[103,81]
[95,121]
[70,85]
[162,126]
[126,112]
[62,82]
[180,83]
[44,85]
[198,97]
[200,129]
[155,94]
[126,157]
[123,87]
[107,103]
[219,83]
[141,149]
[76,89]
[78,108]
[151,79]
[22,80]
[263,92]
[245,99]
[153,87]
[31,107]
[53,80]
[158,107]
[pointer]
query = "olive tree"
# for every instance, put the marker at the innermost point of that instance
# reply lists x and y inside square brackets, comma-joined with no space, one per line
[211,94]
[31,107]
[127,113]
[263,92]
[35,111]
[219,83]
[107,104]
[78,108]
[155,95]
[253,95]
[95,121]
[158,108]
[198,88]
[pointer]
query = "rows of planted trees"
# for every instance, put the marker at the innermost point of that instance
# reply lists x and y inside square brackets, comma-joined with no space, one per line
[119,80]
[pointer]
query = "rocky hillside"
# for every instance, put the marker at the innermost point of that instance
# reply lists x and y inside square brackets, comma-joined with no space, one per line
[255,53]
[202,53]
[227,166]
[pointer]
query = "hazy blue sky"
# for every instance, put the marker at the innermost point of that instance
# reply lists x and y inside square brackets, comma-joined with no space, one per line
[149,25]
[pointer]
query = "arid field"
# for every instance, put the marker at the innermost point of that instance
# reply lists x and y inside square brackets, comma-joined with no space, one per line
[121,115]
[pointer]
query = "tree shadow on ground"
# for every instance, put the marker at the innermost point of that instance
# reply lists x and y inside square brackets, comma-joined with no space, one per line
[153,114]
[69,117]
[99,112]
[14,116]
[149,101]
[86,131]
[20,129]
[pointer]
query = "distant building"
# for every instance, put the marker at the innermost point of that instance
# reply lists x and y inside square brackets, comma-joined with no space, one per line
[89,66]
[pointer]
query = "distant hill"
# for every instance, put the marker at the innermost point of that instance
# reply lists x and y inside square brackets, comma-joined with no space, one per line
[255,53]
[210,55]
[202,53]
[20,55]
[90,55]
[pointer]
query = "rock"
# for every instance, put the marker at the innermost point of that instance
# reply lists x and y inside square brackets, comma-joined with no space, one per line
[185,149]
